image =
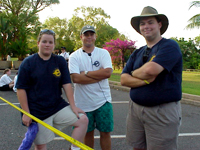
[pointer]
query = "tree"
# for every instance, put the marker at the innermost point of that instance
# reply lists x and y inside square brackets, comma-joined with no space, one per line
[118,50]
[68,32]
[95,17]
[5,36]
[106,33]
[190,53]
[20,46]
[194,22]
[23,13]
[60,27]
[197,42]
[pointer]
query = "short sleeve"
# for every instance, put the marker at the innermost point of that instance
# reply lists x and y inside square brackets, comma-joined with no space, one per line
[73,64]
[168,55]
[107,63]
[23,81]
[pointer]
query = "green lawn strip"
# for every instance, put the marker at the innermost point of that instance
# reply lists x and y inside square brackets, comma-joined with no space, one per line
[14,59]
[115,77]
[191,87]
[191,76]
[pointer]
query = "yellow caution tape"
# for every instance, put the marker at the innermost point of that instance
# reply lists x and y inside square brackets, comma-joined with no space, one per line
[58,132]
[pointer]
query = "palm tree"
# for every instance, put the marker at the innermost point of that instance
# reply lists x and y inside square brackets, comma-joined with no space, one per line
[194,22]
[5,37]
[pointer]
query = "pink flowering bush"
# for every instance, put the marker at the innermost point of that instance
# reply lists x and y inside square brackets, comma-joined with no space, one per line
[118,49]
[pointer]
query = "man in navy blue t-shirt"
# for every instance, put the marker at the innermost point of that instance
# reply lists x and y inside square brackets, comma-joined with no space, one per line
[154,74]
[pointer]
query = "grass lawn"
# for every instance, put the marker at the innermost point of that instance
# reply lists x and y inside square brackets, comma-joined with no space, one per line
[13,59]
[190,83]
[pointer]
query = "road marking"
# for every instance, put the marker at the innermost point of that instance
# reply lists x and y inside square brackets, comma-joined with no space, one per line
[189,134]
[97,137]
[8,104]
[124,136]
[114,102]
[120,102]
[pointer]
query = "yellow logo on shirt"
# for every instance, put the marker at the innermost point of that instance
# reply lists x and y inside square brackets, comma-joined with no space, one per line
[57,73]
[152,58]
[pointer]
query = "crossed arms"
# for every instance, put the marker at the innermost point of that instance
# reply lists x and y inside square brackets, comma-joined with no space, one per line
[148,72]
[91,76]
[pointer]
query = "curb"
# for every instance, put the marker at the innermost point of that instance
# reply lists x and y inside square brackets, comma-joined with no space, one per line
[186,98]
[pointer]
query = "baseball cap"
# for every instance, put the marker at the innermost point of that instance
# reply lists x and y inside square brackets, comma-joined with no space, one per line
[63,47]
[87,28]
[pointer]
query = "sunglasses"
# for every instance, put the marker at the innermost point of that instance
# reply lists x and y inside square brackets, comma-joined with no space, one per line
[146,54]
[47,31]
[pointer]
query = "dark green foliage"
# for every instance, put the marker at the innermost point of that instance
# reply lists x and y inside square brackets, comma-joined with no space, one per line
[22,21]
[191,53]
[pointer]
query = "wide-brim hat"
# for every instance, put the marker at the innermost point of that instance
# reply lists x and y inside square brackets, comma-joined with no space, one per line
[150,12]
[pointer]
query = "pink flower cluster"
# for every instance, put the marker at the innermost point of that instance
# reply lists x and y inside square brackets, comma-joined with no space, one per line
[118,48]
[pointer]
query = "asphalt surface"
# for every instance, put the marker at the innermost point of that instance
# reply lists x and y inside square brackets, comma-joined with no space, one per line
[12,132]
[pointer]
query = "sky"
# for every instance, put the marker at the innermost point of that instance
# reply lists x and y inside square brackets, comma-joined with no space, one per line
[121,12]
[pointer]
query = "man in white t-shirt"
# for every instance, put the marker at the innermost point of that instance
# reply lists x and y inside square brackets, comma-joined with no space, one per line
[64,53]
[90,67]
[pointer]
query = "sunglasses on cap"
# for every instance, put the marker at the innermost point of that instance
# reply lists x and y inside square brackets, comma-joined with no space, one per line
[146,54]
[47,31]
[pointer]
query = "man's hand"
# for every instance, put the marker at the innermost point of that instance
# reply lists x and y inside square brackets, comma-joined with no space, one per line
[151,79]
[100,74]
[149,70]
[77,110]
[26,120]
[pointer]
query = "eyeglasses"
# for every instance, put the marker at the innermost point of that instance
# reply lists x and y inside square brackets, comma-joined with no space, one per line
[146,54]
[47,31]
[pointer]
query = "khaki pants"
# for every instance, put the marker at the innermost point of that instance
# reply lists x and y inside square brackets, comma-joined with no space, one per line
[153,128]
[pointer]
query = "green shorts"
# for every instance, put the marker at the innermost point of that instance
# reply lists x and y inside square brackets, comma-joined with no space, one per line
[101,118]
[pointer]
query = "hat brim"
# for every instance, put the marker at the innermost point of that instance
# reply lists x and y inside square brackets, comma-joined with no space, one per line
[135,21]
[63,47]
[88,30]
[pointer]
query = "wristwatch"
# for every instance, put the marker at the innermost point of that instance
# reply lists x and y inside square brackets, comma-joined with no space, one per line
[86,72]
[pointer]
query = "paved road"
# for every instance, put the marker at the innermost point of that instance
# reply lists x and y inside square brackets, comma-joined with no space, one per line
[12,132]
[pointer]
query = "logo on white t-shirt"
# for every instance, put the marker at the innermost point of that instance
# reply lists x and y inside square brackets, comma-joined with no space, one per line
[96,63]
